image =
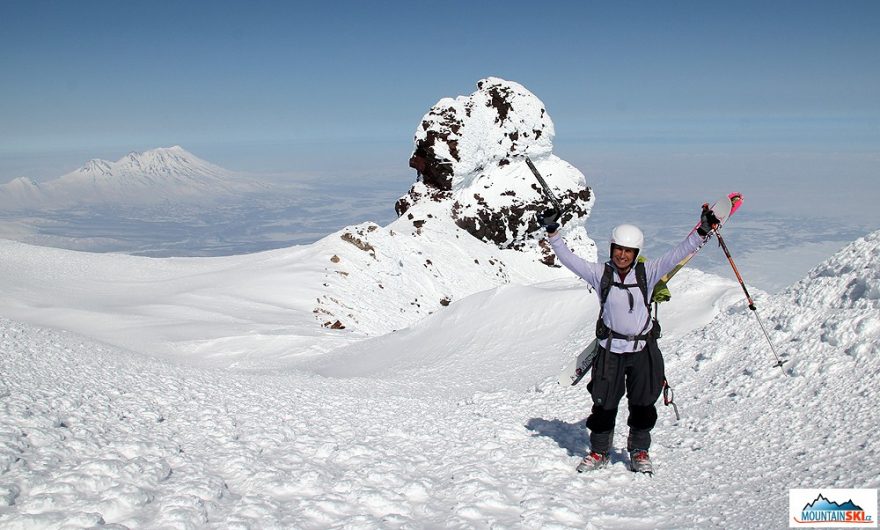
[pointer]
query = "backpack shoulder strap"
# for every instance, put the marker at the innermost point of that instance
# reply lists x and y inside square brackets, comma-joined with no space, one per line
[605,284]
[642,281]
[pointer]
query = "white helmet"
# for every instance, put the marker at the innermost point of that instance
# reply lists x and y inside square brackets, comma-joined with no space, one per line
[627,236]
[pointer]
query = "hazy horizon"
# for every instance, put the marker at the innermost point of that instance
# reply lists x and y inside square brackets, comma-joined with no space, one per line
[636,90]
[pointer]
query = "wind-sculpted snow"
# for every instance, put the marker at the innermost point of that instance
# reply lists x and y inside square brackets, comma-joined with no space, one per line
[812,425]
[95,436]
[430,433]
[849,280]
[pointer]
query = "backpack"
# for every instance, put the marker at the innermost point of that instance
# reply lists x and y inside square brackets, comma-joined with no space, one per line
[660,294]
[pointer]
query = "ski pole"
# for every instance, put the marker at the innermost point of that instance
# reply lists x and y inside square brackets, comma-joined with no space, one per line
[754,309]
[544,185]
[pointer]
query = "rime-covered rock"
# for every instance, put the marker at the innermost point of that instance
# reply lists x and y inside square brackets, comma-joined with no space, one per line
[470,154]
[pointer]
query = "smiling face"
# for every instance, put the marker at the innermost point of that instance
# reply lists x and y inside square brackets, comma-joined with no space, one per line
[623,257]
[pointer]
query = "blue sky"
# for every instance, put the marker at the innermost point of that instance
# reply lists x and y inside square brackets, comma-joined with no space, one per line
[639,91]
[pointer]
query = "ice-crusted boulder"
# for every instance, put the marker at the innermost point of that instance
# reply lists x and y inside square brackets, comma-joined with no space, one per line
[470,155]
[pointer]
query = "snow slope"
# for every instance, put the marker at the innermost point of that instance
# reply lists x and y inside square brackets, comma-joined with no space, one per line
[260,307]
[433,433]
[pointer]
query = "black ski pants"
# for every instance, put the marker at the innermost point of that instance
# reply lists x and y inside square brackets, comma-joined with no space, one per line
[640,376]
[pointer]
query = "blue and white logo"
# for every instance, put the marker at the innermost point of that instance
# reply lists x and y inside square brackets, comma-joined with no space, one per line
[832,508]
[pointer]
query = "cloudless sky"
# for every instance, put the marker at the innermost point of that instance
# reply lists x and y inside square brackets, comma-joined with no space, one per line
[637,90]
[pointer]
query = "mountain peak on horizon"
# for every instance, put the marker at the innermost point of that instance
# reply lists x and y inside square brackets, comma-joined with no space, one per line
[174,150]
[160,175]
[158,162]
[96,165]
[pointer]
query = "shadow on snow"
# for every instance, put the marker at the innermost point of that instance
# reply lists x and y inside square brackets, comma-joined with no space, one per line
[570,436]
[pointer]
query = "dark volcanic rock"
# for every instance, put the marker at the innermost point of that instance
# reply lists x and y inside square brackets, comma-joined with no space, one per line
[470,152]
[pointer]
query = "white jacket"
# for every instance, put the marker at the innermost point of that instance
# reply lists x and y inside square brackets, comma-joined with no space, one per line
[617,314]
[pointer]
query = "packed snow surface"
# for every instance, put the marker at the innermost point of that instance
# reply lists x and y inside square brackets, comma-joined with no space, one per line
[455,420]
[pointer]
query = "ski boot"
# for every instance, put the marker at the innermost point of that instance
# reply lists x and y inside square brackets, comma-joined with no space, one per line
[640,462]
[592,462]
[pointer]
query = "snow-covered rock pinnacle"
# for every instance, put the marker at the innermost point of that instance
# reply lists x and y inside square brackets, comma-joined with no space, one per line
[467,225]
[470,155]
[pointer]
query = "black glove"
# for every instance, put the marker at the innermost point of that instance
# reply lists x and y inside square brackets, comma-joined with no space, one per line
[549,220]
[708,221]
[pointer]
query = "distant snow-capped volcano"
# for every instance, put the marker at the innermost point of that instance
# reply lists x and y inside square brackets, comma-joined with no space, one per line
[157,176]
[154,166]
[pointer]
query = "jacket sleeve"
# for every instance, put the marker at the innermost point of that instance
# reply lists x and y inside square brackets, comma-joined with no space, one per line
[589,271]
[657,268]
